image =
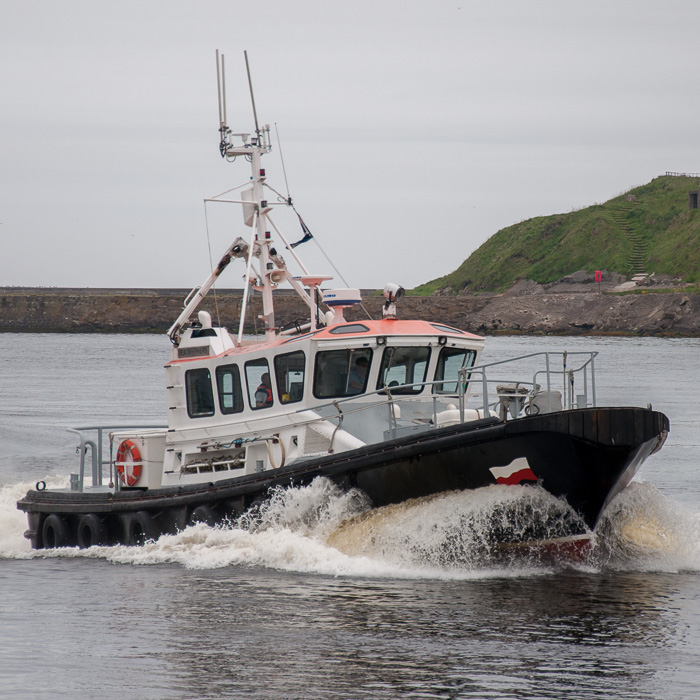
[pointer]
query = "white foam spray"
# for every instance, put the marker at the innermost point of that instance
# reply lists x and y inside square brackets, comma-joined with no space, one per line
[323,530]
[13,522]
[645,530]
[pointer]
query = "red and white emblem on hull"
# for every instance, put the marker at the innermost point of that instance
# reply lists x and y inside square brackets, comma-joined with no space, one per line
[514,473]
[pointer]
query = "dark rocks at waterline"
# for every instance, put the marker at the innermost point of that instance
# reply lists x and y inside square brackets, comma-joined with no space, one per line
[588,314]
[524,309]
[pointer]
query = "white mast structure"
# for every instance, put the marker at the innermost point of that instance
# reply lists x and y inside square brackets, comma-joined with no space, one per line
[272,268]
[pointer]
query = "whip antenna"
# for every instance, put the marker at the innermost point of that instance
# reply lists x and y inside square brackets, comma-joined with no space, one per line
[252,97]
[218,87]
[223,86]
[221,95]
[284,170]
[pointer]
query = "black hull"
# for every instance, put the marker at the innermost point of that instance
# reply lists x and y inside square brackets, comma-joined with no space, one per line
[584,456]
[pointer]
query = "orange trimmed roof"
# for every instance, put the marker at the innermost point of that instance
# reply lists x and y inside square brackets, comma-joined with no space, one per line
[392,327]
[355,329]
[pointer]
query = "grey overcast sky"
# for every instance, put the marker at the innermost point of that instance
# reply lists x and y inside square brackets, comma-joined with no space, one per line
[411,130]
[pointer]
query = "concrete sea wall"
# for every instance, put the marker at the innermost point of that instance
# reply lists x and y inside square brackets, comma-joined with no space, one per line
[672,313]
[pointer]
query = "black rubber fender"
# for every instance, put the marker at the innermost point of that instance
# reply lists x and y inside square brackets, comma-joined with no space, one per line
[55,532]
[203,514]
[92,531]
[140,527]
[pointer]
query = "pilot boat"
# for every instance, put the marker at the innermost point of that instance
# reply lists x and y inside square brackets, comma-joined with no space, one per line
[399,409]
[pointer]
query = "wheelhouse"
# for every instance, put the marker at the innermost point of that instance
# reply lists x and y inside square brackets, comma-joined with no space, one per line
[347,361]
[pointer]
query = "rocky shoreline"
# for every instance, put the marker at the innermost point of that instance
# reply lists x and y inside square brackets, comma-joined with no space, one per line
[567,308]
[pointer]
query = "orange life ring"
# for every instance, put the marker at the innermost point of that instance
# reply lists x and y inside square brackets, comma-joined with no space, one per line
[128,463]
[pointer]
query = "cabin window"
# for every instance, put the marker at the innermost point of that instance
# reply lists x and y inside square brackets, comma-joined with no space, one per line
[341,372]
[257,376]
[204,333]
[299,337]
[451,360]
[446,329]
[352,328]
[200,396]
[289,375]
[228,383]
[404,366]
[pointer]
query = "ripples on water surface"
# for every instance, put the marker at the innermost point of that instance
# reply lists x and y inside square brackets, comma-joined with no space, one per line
[314,597]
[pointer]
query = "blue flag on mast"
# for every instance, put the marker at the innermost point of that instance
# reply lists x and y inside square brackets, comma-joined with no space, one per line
[307,234]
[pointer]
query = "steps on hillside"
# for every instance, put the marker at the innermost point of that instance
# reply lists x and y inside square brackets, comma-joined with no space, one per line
[640,246]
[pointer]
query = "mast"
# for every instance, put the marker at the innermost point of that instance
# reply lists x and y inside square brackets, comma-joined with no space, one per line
[253,148]
[263,238]
[270,269]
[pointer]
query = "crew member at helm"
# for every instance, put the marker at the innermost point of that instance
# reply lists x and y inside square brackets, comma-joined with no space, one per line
[263,394]
[358,376]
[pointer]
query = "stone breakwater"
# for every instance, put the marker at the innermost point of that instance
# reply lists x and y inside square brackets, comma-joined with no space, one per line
[672,313]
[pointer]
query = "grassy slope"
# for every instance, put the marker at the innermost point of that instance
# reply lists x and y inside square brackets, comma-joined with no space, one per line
[601,237]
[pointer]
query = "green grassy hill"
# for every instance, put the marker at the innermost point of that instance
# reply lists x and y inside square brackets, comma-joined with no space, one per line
[648,229]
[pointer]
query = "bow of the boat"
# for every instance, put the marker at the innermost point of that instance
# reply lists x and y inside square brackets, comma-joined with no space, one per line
[588,456]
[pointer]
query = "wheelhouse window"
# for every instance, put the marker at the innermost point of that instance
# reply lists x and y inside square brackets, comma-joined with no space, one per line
[446,329]
[289,375]
[346,330]
[402,366]
[200,396]
[450,361]
[257,376]
[341,372]
[228,383]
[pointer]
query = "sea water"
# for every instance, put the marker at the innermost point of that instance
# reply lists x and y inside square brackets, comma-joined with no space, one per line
[314,595]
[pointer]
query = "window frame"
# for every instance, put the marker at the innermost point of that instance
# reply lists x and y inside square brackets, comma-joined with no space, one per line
[190,385]
[251,396]
[468,353]
[220,371]
[349,329]
[352,352]
[279,377]
[384,369]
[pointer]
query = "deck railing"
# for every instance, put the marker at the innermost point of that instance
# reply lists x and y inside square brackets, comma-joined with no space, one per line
[96,446]
[574,374]
[511,396]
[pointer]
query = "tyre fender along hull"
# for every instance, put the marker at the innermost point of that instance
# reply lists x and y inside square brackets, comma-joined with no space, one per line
[585,456]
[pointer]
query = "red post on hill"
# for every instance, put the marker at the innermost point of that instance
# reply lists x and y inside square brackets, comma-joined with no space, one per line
[598,278]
